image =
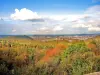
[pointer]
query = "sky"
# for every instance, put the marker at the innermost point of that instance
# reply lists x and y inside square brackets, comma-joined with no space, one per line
[25,17]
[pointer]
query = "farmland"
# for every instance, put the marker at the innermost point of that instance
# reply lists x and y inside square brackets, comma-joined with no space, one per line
[29,55]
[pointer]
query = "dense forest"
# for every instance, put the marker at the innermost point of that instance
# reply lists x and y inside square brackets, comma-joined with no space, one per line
[24,56]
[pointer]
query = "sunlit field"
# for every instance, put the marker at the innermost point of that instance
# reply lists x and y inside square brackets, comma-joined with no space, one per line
[25,56]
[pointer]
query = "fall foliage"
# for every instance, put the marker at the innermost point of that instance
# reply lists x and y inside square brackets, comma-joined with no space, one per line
[55,57]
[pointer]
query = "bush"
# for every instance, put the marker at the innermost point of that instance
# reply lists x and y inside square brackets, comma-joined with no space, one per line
[79,47]
[5,68]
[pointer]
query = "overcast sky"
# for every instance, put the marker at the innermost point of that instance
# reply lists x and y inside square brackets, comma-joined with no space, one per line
[49,17]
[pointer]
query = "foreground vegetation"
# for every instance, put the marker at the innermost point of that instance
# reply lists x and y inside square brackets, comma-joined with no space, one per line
[54,57]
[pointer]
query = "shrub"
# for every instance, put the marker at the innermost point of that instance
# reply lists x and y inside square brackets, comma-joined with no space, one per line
[80,66]
[79,47]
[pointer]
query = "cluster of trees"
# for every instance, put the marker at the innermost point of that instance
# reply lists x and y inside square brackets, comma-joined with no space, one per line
[27,57]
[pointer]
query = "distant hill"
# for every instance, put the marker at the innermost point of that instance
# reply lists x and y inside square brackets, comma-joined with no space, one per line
[16,36]
[46,35]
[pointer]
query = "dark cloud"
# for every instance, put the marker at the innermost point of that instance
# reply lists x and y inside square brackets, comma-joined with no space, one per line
[1,19]
[36,20]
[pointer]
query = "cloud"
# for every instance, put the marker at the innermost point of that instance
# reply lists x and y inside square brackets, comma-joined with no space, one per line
[90,19]
[93,9]
[25,14]
[69,23]
[94,29]
[14,30]
[44,28]
[47,30]
[36,20]
[81,26]
[57,28]
[1,19]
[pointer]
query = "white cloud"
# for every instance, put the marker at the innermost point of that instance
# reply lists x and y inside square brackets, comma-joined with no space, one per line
[44,28]
[24,14]
[94,29]
[57,28]
[57,17]
[47,30]
[33,31]
[90,20]
[81,26]
[14,30]
[93,9]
